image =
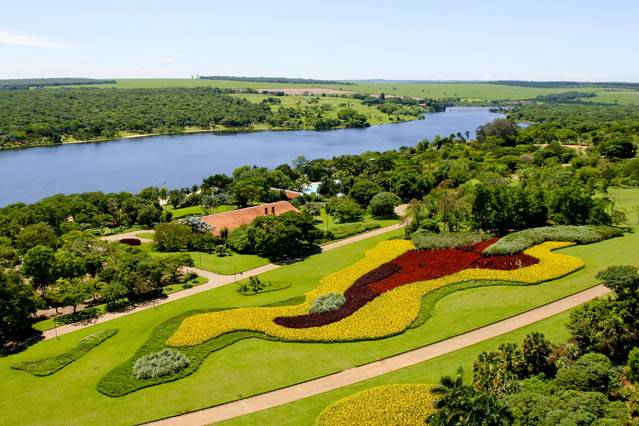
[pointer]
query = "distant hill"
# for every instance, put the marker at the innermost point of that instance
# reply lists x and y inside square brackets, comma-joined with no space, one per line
[283,80]
[566,84]
[25,83]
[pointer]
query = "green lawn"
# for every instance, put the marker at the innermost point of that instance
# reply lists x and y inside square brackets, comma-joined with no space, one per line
[197,210]
[254,366]
[304,412]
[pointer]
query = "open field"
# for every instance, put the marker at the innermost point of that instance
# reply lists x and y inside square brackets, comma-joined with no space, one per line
[304,412]
[480,92]
[236,371]
[309,90]
[621,97]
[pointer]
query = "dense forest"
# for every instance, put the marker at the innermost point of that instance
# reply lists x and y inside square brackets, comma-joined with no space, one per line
[284,80]
[44,82]
[37,117]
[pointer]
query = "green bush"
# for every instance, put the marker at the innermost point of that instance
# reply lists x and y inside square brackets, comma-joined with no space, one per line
[239,240]
[159,364]
[347,210]
[50,365]
[633,365]
[383,204]
[326,303]
[338,232]
[591,372]
[426,240]
[519,241]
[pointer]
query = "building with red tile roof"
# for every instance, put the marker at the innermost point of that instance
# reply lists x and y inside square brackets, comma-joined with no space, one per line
[291,195]
[236,218]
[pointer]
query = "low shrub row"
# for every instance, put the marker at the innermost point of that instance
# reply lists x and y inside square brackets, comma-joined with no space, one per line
[50,365]
[519,241]
[426,240]
[341,231]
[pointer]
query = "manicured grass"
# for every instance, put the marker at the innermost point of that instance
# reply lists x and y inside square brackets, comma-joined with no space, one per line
[320,221]
[197,210]
[50,365]
[305,411]
[148,235]
[225,265]
[268,287]
[253,366]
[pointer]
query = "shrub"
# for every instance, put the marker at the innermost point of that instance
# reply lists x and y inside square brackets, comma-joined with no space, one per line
[633,365]
[344,230]
[446,240]
[50,365]
[130,241]
[383,204]
[519,241]
[364,190]
[327,302]
[591,372]
[160,364]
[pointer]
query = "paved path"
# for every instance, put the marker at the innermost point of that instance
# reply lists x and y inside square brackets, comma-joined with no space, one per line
[378,368]
[215,280]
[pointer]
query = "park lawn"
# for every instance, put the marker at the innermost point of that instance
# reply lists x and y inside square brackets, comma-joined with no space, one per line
[305,411]
[255,366]
[147,235]
[627,200]
[197,210]
[621,97]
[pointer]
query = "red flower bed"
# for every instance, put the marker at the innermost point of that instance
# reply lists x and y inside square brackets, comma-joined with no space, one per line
[505,263]
[412,266]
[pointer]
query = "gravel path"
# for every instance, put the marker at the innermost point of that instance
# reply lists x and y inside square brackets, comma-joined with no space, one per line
[377,368]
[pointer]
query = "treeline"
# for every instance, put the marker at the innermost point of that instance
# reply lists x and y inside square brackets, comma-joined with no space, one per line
[49,116]
[25,83]
[284,80]
[564,96]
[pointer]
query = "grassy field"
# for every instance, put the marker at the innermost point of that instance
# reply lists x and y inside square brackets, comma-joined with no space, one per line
[304,412]
[464,91]
[237,371]
[625,97]
[197,210]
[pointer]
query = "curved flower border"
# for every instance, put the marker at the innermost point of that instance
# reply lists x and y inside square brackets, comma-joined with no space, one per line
[390,313]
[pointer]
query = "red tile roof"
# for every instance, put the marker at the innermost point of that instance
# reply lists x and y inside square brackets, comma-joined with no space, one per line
[291,195]
[236,218]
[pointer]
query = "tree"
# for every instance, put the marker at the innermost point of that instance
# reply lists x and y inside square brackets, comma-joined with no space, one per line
[174,263]
[347,210]
[18,302]
[38,264]
[171,237]
[67,265]
[113,292]
[72,292]
[502,129]
[148,215]
[383,204]
[624,281]
[33,235]
[363,191]
[536,351]
[461,405]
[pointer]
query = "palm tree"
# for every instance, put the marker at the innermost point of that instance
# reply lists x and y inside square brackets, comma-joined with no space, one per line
[460,405]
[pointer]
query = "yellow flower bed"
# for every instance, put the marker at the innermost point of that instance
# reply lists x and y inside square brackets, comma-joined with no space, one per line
[388,314]
[391,405]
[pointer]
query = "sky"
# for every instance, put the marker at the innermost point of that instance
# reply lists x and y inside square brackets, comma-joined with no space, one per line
[582,40]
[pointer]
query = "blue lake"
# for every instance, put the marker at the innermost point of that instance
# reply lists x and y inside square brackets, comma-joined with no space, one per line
[28,175]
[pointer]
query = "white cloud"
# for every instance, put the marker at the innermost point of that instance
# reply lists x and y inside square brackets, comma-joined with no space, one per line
[303,40]
[13,39]
[167,60]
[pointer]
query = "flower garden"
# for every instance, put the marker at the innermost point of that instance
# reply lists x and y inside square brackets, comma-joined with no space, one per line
[383,293]
[383,405]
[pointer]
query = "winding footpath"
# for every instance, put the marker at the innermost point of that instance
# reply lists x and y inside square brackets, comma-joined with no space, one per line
[215,280]
[374,369]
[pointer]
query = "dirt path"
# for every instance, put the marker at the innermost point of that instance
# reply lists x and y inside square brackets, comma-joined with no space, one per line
[378,368]
[215,280]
